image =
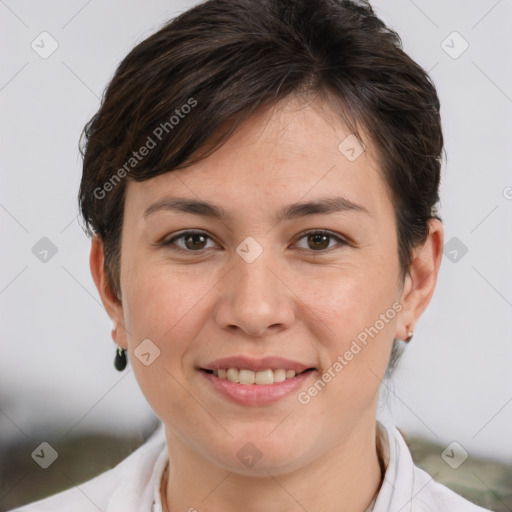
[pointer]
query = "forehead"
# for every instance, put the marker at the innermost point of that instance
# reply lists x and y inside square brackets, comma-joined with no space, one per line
[293,151]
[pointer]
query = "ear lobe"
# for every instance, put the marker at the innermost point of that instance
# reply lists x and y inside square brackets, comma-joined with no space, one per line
[422,278]
[111,303]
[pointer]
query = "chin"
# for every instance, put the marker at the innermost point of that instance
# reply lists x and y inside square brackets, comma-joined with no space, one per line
[257,453]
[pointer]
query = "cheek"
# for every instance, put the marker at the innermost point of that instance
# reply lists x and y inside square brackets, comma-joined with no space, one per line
[160,302]
[350,311]
[164,307]
[347,298]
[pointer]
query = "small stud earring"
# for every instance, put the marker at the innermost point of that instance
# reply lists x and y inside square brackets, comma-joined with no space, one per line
[409,335]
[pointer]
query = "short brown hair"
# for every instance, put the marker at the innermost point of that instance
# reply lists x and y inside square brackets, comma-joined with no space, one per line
[225,59]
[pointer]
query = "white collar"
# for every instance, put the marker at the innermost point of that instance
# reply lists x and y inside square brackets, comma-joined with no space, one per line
[160,465]
[139,476]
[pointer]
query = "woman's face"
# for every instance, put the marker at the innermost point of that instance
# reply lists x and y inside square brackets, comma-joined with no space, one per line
[253,283]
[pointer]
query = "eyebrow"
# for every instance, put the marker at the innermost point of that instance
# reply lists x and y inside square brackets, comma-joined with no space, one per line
[289,212]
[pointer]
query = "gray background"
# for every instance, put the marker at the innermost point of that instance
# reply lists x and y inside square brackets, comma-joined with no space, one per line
[56,371]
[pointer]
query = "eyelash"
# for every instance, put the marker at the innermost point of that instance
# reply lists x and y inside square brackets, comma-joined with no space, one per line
[183,234]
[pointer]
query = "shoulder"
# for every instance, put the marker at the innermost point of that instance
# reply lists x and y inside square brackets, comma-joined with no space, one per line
[435,497]
[130,480]
[407,487]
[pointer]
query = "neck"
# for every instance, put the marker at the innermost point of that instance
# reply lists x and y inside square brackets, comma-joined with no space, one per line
[350,473]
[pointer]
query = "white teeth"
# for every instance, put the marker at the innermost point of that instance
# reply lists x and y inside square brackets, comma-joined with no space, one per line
[279,375]
[246,377]
[264,377]
[243,376]
[232,374]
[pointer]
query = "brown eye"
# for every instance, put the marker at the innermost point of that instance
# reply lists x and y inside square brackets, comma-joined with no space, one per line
[190,241]
[319,241]
[194,241]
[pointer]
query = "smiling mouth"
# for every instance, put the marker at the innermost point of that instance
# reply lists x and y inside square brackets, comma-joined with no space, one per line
[248,377]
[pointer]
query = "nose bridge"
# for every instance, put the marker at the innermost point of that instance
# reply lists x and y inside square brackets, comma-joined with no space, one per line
[253,297]
[254,279]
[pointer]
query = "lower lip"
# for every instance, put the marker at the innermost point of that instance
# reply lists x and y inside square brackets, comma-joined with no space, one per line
[257,394]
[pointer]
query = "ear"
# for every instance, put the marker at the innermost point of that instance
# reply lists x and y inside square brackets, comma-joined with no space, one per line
[112,304]
[422,278]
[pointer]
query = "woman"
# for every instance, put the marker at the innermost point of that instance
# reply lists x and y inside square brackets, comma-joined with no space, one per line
[260,185]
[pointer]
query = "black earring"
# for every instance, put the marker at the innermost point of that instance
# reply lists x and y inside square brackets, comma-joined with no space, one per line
[120,360]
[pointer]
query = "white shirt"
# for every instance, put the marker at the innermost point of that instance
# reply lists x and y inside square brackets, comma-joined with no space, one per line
[134,484]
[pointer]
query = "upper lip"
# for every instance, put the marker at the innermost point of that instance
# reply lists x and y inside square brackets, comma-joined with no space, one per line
[256,365]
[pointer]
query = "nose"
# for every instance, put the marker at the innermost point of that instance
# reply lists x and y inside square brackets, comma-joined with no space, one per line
[255,298]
